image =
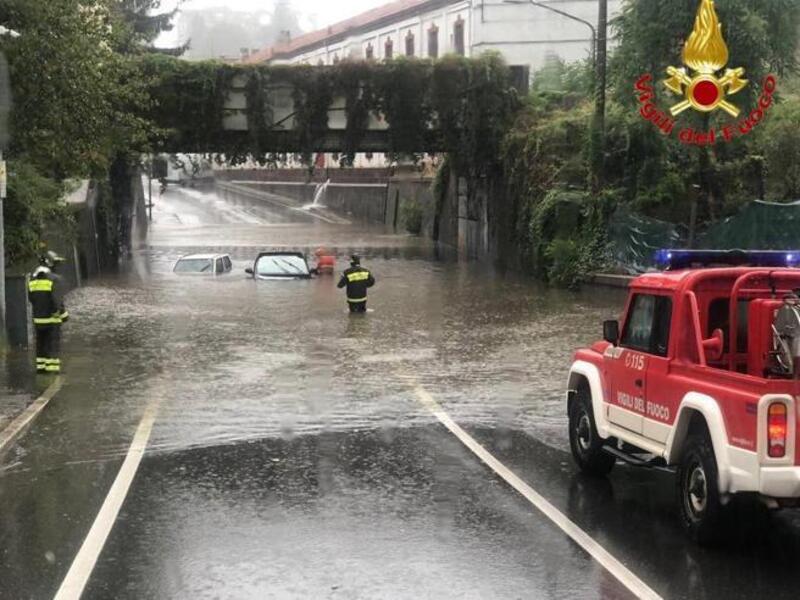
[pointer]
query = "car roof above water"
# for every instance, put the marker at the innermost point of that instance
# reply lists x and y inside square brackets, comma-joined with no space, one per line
[202,256]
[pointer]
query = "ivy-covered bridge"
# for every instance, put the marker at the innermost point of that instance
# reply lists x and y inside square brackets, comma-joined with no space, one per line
[401,107]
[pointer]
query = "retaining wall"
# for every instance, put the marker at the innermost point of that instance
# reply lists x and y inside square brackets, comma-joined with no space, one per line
[465,219]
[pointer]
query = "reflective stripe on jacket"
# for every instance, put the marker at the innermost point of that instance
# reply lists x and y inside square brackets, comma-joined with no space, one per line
[45,298]
[357,280]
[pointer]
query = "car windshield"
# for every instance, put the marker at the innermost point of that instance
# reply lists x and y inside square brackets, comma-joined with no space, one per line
[282,265]
[194,265]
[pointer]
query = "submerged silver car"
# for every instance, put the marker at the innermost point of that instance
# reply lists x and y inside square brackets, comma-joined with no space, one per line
[204,264]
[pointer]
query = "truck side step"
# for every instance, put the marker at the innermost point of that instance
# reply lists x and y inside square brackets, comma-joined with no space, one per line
[656,463]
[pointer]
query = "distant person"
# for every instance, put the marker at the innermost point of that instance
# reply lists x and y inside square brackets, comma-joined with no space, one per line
[357,279]
[326,262]
[45,296]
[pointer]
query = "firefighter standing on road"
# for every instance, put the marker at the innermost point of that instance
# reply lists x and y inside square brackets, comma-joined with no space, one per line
[358,280]
[44,294]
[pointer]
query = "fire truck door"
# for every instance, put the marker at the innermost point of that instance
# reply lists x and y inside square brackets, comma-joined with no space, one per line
[645,338]
[627,370]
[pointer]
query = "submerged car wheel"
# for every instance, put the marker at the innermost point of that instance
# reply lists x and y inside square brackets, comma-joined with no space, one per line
[586,444]
[698,490]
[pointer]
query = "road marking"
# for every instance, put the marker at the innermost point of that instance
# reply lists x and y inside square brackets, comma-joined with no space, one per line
[18,425]
[578,535]
[82,566]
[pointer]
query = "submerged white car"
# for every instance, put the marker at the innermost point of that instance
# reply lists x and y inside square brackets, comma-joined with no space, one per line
[280,265]
[204,264]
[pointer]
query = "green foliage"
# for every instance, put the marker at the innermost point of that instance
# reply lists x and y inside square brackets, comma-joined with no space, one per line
[469,101]
[569,236]
[411,216]
[79,99]
[547,152]
[781,148]
[137,23]
[33,202]
[188,100]
[564,260]
[63,85]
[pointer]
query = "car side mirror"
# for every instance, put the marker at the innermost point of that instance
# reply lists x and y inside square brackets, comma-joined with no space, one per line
[249,271]
[611,332]
[714,346]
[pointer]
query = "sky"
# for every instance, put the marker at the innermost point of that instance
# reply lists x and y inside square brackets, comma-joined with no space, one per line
[316,13]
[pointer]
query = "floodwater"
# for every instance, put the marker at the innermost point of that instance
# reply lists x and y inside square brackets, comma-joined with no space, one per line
[236,359]
[290,457]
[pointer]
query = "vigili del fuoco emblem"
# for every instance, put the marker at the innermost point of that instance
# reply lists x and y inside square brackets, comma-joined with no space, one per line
[706,85]
[706,55]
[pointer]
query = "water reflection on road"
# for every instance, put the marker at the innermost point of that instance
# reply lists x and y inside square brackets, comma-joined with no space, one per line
[243,359]
[289,453]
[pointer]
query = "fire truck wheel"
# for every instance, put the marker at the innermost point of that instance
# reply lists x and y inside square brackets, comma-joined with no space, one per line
[698,490]
[586,444]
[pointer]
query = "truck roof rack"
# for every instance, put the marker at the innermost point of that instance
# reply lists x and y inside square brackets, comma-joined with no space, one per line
[674,260]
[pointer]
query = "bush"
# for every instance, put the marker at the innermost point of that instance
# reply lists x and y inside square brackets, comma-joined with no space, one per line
[782,151]
[564,258]
[411,216]
[33,202]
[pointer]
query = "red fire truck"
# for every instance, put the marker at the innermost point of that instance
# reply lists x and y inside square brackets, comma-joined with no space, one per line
[701,377]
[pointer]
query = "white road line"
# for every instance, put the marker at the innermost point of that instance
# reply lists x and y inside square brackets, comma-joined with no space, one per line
[18,425]
[82,566]
[578,535]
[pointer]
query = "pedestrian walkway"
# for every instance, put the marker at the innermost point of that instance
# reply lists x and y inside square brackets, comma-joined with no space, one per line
[17,386]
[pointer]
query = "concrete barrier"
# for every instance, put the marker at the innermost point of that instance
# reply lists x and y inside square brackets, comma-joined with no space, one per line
[610,280]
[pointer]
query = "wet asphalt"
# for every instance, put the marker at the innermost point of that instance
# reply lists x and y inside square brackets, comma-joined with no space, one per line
[290,458]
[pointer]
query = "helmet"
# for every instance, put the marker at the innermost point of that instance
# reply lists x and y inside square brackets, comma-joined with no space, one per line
[50,259]
[355,259]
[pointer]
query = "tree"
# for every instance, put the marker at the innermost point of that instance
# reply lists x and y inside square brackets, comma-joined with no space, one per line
[62,85]
[79,99]
[138,23]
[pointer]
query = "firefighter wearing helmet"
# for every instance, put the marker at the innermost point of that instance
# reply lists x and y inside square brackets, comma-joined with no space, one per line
[357,280]
[45,296]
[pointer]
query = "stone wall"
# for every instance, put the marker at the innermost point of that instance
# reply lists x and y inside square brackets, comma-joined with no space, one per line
[465,220]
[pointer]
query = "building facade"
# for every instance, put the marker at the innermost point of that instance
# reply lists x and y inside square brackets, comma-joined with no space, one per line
[524,33]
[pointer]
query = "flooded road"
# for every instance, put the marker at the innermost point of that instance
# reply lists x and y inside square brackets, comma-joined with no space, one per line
[290,457]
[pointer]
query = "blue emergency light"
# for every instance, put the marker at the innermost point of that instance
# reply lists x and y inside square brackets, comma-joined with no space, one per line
[674,260]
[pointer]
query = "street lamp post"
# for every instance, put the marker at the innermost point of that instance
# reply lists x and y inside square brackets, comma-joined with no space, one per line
[599,128]
[5,108]
[3,329]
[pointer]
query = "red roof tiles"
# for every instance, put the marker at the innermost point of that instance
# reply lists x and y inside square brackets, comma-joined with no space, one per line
[315,38]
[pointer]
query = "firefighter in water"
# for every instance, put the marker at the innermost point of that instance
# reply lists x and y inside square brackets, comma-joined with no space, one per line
[357,279]
[44,294]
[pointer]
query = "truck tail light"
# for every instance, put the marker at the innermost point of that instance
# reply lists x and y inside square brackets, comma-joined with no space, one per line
[777,429]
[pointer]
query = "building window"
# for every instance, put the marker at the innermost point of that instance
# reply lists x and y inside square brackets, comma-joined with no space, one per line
[410,44]
[388,49]
[433,42]
[458,37]
[370,52]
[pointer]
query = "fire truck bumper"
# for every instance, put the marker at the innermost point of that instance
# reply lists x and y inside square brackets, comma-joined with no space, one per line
[780,482]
